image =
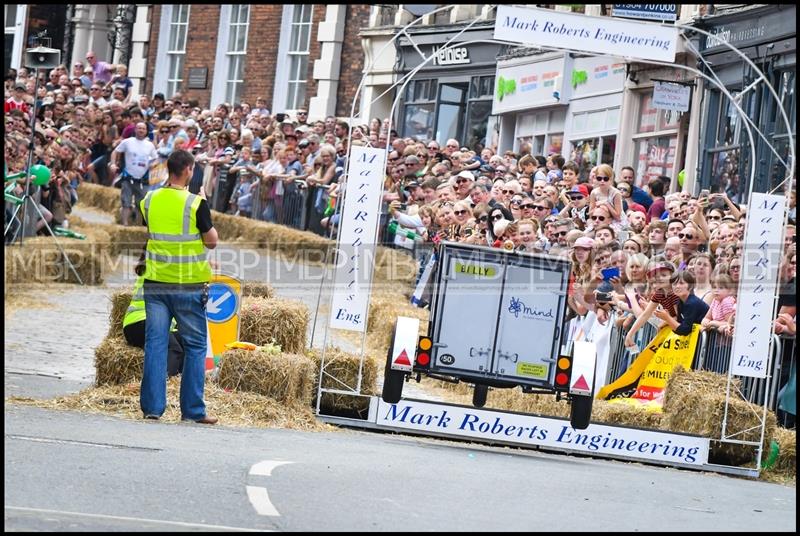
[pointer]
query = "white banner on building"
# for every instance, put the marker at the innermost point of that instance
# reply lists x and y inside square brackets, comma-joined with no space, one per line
[357,234]
[531,430]
[674,97]
[758,285]
[604,35]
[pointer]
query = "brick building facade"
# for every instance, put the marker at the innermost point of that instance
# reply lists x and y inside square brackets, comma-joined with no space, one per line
[286,47]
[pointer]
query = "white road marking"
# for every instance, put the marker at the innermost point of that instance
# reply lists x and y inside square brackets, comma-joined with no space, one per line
[75,442]
[137,519]
[260,501]
[265,468]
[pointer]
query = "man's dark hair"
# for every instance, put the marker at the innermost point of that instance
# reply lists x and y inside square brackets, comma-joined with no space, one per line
[656,188]
[629,167]
[159,96]
[540,159]
[178,161]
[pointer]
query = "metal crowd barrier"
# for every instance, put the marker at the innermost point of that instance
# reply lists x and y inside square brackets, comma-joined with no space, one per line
[713,353]
[289,209]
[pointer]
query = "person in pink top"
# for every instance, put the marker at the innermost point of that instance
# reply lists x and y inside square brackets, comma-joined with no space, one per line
[723,305]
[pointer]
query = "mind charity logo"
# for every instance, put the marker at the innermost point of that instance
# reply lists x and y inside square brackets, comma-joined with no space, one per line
[505,87]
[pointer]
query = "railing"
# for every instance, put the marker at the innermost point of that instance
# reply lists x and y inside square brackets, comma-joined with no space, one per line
[713,353]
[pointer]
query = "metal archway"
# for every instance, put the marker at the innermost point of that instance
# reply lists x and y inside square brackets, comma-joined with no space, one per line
[712,79]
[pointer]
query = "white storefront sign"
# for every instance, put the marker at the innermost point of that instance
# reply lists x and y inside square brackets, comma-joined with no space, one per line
[531,430]
[673,97]
[357,232]
[452,56]
[757,285]
[530,85]
[602,35]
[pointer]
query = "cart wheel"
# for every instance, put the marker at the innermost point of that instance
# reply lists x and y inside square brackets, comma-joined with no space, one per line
[392,386]
[580,412]
[479,395]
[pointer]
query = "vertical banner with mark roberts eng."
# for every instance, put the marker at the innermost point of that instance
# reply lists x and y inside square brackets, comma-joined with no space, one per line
[758,282]
[357,226]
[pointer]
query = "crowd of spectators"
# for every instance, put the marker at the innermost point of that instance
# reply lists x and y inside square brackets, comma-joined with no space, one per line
[277,168]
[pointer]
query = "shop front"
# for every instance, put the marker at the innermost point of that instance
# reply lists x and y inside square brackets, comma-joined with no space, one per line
[594,111]
[766,35]
[531,98]
[451,96]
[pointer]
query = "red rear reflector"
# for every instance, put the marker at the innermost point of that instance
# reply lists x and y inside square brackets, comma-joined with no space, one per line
[561,378]
[423,359]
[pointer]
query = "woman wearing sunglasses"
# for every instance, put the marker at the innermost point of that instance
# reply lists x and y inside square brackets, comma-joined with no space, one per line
[605,195]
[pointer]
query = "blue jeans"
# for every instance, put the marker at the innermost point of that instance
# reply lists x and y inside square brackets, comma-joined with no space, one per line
[187,305]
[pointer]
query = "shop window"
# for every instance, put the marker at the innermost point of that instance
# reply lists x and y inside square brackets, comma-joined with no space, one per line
[655,156]
[479,110]
[555,144]
[450,115]
[419,110]
[786,89]
[590,152]
[652,119]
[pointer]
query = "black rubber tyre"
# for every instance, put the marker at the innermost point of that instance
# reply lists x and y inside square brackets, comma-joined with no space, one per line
[580,412]
[393,380]
[392,386]
[479,395]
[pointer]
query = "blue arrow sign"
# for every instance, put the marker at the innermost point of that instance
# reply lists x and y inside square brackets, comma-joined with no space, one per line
[222,303]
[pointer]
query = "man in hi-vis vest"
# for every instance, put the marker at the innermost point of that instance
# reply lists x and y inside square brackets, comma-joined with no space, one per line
[176,279]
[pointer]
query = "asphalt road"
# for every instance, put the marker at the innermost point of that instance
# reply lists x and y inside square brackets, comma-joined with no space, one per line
[68,471]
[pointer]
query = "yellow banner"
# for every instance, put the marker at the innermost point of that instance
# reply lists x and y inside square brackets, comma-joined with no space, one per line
[643,383]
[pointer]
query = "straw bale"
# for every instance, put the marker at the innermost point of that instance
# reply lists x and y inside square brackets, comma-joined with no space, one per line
[105,198]
[384,308]
[117,363]
[128,239]
[395,266]
[119,305]
[233,408]
[288,378]
[341,373]
[277,320]
[257,289]
[40,260]
[538,404]
[625,415]
[787,457]
[694,403]
[229,227]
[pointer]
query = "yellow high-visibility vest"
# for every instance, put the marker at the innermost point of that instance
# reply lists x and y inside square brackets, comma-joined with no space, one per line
[135,312]
[175,252]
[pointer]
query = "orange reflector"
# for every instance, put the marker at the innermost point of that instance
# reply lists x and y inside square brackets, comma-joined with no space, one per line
[423,359]
[561,378]
[563,363]
[425,344]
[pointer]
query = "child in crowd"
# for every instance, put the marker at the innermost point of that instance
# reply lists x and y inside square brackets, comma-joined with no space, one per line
[723,305]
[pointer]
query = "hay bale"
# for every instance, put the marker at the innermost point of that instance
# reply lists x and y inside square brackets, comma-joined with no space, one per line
[787,456]
[283,322]
[119,306]
[694,403]
[288,378]
[537,404]
[105,198]
[625,415]
[384,308]
[395,267]
[129,240]
[117,363]
[256,289]
[40,260]
[343,367]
